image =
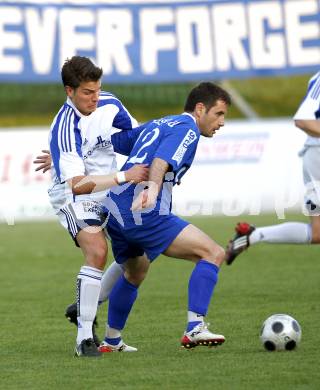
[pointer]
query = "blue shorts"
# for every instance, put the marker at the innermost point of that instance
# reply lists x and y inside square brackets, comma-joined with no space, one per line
[153,237]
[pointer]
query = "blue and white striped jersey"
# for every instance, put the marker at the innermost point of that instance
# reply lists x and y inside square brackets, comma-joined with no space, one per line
[81,145]
[310,107]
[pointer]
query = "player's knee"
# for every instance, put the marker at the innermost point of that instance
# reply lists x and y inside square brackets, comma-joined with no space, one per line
[214,254]
[97,256]
[220,254]
[136,275]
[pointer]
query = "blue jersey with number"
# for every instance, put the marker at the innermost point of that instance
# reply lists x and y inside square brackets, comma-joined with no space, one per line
[173,139]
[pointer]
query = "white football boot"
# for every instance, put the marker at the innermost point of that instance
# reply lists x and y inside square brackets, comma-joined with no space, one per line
[121,347]
[201,335]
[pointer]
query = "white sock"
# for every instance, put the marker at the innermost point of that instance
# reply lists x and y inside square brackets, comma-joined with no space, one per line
[112,333]
[193,317]
[109,278]
[88,290]
[284,233]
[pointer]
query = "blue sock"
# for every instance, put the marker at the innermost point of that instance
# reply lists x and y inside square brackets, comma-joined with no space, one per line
[201,284]
[114,341]
[121,300]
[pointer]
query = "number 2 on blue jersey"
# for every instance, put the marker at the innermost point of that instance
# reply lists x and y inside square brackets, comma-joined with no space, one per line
[139,157]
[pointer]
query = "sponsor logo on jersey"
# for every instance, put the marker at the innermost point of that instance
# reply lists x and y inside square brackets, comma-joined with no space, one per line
[101,143]
[189,138]
[169,121]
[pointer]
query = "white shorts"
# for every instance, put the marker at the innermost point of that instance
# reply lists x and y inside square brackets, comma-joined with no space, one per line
[83,215]
[311,178]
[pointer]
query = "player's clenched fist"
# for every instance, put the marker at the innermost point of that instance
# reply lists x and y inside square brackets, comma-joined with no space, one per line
[137,173]
[146,198]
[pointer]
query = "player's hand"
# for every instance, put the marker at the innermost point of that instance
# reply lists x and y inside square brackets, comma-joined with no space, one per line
[146,198]
[139,201]
[44,160]
[137,173]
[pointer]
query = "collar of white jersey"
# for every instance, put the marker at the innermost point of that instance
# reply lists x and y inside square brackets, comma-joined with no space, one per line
[191,116]
[69,102]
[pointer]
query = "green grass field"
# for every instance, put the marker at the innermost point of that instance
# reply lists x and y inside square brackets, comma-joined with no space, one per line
[38,268]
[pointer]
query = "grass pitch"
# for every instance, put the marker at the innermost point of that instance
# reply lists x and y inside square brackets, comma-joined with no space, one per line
[38,268]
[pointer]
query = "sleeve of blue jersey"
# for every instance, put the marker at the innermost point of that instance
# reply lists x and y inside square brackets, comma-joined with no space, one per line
[123,141]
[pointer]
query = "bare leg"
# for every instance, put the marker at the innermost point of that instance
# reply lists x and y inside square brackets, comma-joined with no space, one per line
[315,225]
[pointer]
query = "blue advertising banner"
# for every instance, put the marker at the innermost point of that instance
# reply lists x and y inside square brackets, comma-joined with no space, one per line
[158,41]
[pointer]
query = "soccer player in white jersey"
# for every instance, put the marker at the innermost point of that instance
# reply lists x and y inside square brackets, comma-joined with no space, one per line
[307,118]
[84,167]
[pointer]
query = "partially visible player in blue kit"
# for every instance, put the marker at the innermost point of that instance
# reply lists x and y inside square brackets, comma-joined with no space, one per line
[141,225]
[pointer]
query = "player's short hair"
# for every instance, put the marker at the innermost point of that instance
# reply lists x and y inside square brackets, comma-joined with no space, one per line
[78,69]
[208,94]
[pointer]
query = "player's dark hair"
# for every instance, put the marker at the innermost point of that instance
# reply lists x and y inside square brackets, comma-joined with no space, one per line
[208,94]
[78,69]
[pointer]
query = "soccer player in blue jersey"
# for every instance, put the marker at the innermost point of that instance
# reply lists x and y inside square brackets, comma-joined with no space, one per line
[307,118]
[84,167]
[141,225]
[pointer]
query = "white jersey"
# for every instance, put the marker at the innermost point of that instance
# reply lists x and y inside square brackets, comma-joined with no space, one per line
[81,145]
[310,107]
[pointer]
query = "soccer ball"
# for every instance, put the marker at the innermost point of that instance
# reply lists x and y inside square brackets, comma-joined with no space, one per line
[280,332]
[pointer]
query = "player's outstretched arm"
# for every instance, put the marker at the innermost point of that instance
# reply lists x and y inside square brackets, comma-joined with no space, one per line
[95,183]
[309,126]
[44,160]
